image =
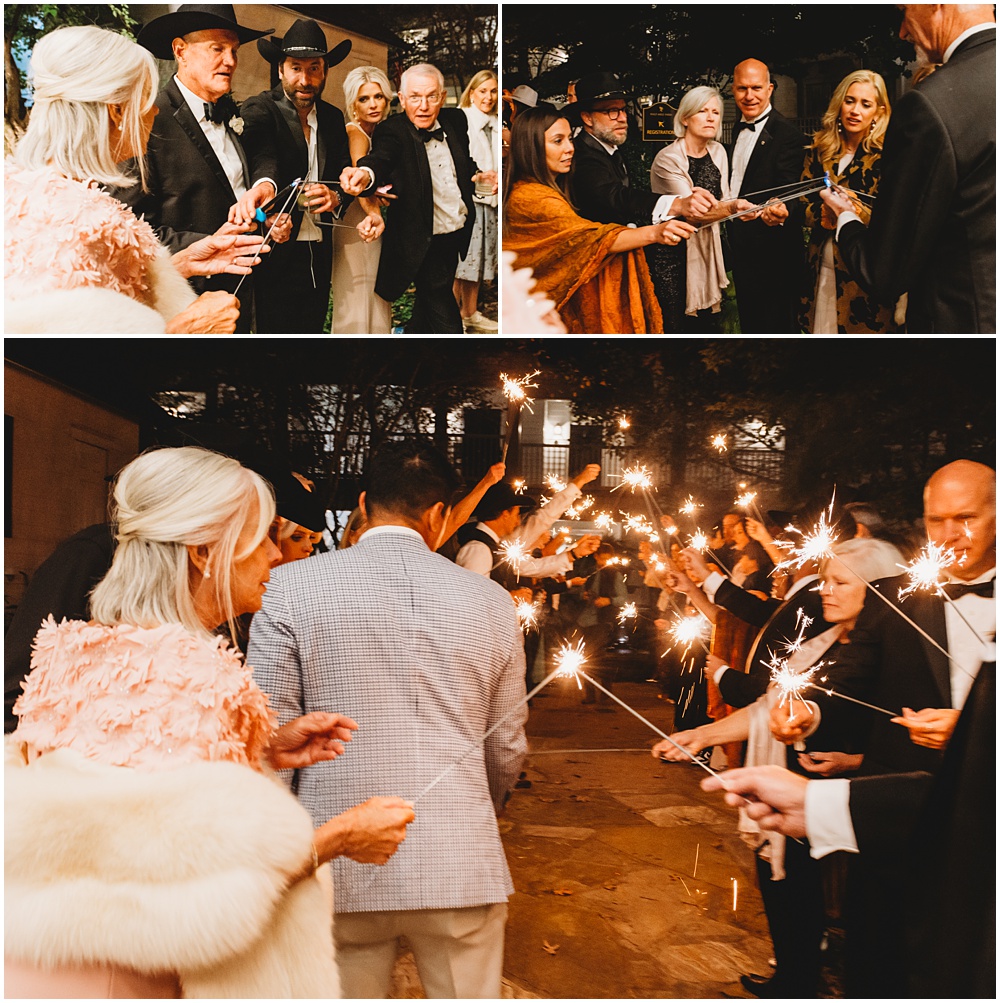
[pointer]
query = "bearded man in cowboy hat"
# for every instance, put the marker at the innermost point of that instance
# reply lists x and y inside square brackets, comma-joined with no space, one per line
[307,139]
[198,176]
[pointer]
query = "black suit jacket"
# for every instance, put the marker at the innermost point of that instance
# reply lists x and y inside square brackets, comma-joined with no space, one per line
[947,825]
[398,156]
[601,189]
[776,160]
[272,131]
[889,664]
[933,229]
[779,625]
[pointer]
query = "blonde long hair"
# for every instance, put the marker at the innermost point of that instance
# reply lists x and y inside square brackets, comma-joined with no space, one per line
[77,72]
[827,141]
[357,79]
[165,501]
[477,81]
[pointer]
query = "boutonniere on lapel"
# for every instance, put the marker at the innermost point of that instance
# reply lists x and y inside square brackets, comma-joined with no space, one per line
[236,124]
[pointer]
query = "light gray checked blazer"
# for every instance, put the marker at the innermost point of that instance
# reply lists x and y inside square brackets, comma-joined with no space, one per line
[426,657]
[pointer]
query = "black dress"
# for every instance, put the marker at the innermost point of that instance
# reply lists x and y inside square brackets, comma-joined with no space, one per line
[668,265]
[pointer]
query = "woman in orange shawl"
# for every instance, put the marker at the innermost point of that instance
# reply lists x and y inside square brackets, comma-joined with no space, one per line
[595,273]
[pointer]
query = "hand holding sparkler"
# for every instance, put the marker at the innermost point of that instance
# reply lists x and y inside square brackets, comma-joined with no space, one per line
[792,721]
[371,227]
[774,214]
[588,474]
[931,727]
[693,564]
[777,796]
[830,764]
[682,747]
[245,208]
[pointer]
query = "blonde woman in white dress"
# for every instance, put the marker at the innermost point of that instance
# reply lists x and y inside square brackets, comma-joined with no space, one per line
[357,309]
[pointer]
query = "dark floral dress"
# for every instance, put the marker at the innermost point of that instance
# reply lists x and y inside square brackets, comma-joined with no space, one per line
[857,312]
[668,264]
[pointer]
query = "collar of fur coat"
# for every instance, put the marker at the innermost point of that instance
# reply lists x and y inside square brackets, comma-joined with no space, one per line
[180,871]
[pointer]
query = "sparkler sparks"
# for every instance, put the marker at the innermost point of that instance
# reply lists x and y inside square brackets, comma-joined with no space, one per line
[699,542]
[813,546]
[628,612]
[635,477]
[624,423]
[690,506]
[514,552]
[719,442]
[671,530]
[527,614]
[791,683]
[514,389]
[553,483]
[927,569]
[519,485]
[570,659]
[638,524]
[745,500]
[687,630]
[603,521]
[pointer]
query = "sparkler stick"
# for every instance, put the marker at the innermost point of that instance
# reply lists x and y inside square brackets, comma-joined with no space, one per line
[514,391]
[791,684]
[780,188]
[291,195]
[771,201]
[843,696]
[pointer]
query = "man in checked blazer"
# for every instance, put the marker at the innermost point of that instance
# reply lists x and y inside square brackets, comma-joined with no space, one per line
[426,657]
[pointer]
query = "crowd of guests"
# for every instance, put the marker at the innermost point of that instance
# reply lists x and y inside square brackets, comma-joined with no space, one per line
[617,256]
[123,204]
[140,722]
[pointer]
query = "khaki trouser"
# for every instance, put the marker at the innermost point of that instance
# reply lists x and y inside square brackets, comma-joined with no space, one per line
[459,952]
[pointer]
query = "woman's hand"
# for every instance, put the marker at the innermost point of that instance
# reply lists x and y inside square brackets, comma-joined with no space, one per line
[689,740]
[673,231]
[219,254]
[836,201]
[211,313]
[793,720]
[312,738]
[279,226]
[371,227]
[829,764]
[931,727]
[697,205]
[694,565]
[369,833]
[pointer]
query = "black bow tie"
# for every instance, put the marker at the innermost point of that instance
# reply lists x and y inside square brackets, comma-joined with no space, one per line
[428,134]
[222,111]
[752,126]
[955,590]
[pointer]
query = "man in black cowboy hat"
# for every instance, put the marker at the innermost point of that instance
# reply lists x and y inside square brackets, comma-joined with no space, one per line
[602,189]
[307,139]
[198,175]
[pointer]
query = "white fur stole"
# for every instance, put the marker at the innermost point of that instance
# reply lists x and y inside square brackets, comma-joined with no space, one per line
[180,871]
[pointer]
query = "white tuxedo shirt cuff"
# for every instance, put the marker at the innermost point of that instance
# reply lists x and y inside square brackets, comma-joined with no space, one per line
[661,211]
[828,817]
[711,585]
[846,217]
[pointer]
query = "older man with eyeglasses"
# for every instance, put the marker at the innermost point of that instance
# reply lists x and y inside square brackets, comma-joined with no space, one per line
[602,189]
[424,156]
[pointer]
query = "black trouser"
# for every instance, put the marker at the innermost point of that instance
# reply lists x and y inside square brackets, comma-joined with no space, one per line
[796,917]
[435,310]
[292,292]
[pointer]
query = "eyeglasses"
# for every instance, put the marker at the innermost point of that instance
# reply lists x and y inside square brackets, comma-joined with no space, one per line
[418,99]
[613,113]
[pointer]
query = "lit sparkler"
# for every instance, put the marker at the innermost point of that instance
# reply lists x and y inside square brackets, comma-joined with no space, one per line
[514,389]
[603,521]
[635,477]
[638,524]
[553,483]
[699,542]
[527,614]
[628,612]
[745,500]
[519,485]
[690,506]
[687,630]
[671,530]
[813,546]
[514,552]
[570,660]
[719,442]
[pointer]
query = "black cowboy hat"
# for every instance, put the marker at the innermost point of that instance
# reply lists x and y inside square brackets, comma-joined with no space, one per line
[304,40]
[499,498]
[158,35]
[598,87]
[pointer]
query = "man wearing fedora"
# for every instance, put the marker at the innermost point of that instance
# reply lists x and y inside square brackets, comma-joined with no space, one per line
[602,188]
[424,155]
[197,170]
[308,139]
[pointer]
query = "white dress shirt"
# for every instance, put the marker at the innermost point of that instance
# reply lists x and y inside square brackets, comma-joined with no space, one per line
[968,637]
[743,149]
[219,138]
[449,209]
[308,230]
[477,557]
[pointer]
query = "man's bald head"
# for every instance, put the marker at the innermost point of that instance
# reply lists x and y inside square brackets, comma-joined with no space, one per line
[960,514]
[752,87]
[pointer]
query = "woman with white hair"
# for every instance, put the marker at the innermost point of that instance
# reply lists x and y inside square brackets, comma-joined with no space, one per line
[690,278]
[76,260]
[357,308]
[790,880]
[149,850]
[479,102]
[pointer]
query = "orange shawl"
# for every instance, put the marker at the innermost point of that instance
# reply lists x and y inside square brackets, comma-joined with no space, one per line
[595,290]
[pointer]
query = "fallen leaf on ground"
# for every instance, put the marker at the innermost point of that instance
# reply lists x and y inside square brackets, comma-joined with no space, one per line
[610,885]
[550,948]
[579,797]
[562,891]
[549,800]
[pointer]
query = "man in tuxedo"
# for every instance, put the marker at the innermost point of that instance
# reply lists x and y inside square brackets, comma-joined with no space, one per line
[427,657]
[198,177]
[767,252]
[424,155]
[307,139]
[932,232]
[890,664]
[943,829]
[602,190]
